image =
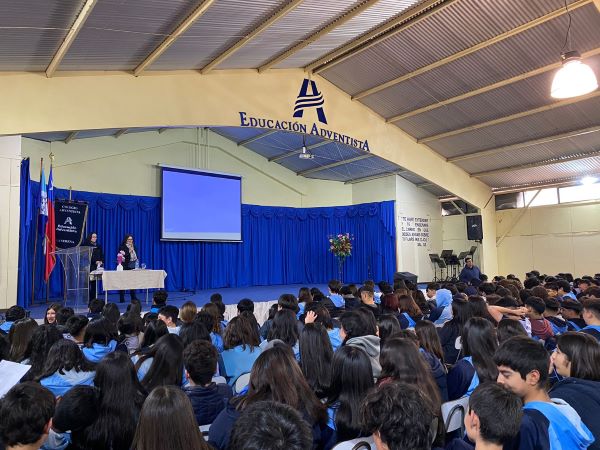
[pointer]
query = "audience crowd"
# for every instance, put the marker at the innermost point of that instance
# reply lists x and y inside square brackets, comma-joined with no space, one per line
[375,363]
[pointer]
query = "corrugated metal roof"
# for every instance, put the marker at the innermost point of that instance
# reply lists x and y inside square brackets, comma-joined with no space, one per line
[31,32]
[559,120]
[556,171]
[223,24]
[457,27]
[362,23]
[307,18]
[119,34]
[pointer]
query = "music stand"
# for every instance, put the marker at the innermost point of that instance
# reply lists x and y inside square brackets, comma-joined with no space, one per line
[442,265]
[454,263]
[472,251]
[462,256]
[434,257]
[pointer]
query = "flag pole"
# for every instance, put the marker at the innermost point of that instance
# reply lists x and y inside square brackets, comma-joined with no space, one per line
[35,243]
[48,280]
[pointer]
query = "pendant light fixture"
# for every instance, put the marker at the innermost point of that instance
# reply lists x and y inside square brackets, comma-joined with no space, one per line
[574,78]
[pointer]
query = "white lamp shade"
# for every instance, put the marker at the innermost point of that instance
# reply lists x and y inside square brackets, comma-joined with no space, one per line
[573,79]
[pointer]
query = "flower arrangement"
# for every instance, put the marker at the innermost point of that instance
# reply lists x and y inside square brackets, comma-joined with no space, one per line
[120,259]
[341,245]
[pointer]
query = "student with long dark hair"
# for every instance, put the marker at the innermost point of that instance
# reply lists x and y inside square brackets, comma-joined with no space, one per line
[65,368]
[429,340]
[317,313]
[351,379]
[167,421]
[76,326]
[155,329]
[42,340]
[577,359]
[50,316]
[285,329]
[193,331]
[359,329]
[316,355]
[241,344]
[111,313]
[209,316]
[120,400]
[409,312]
[479,343]
[19,336]
[388,326]
[508,328]
[99,340]
[163,364]
[275,376]
[452,329]
[129,333]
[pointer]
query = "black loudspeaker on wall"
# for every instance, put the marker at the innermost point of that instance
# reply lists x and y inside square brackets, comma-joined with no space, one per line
[474,228]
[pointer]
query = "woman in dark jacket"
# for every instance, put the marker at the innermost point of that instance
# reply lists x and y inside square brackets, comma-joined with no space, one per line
[96,260]
[130,261]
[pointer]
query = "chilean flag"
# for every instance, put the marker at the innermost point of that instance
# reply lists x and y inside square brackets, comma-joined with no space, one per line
[50,239]
[43,215]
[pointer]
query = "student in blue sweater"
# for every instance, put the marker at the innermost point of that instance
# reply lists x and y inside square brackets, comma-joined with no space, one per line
[65,368]
[241,343]
[99,340]
[591,315]
[208,398]
[523,366]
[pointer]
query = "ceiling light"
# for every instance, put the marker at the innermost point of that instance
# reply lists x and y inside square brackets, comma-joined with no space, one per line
[305,153]
[574,78]
[588,180]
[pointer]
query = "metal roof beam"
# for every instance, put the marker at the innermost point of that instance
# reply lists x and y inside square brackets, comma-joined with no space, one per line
[171,38]
[120,133]
[375,177]
[298,151]
[510,117]
[489,87]
[561,182]
[256,138]
[70,37]
[72,135]
[291,5]
[335,164]
[547,162]
[352,13]
[513,32]
[384,31]
[525,144]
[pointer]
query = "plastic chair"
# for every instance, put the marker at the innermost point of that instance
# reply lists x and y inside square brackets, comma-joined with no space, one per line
[204,430]
[241,382]
[454,414]
[362,443]
[219,380]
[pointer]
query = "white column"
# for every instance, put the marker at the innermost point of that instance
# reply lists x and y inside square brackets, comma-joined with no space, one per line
[10,163]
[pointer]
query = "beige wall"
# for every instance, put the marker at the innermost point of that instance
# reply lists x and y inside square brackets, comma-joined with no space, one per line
[551,239]
[128,165]
[10,159]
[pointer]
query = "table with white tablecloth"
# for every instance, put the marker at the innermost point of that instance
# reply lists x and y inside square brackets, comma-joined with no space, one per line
[121,280]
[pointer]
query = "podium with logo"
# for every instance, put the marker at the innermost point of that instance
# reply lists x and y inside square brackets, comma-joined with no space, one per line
[75,262]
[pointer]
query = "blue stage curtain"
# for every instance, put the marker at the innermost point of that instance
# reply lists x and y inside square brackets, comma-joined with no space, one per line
[280,245]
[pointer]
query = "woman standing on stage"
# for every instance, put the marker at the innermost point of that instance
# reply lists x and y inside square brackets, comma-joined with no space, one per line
[96,259]
[130,261]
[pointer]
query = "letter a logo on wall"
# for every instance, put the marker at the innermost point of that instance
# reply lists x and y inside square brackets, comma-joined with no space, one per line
[314,99]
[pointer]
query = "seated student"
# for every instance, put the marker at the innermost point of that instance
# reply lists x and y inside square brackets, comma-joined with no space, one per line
[508,328]
[154,330]
[169,314]
[26,416]
[188,312]
[551,314]
[410,312]
[285,329]
[367,298]
[359,329]
[351,379]
[76,326]
[217,300]
[591,315]
[387,326]
[479,342]
[431,349]
[159,299]
[304,299]
[95,309]
[209,317]
[270,425]
[430,293]
[42,340]
[98,340]
[399,416]
[334,294]
[19,337]
[208,398]
[564,290]
[162,364]
[66,367]
[540,327]
[451,330]
[317,313]
[576,358]
[193,331]
[443,311]
[167,421]
[13,314]
[241,348]
[571,311]
[349,293]
[245,304]
[523,366]
[316,356]
[62,315]
[493,418]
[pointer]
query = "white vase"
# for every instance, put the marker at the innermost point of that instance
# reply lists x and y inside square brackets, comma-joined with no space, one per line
[119,267]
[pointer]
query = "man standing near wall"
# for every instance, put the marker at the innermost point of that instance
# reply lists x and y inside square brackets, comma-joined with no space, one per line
[470,272]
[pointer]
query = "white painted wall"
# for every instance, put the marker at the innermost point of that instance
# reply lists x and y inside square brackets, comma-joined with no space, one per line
[128,165]
[10,159]
[551,239]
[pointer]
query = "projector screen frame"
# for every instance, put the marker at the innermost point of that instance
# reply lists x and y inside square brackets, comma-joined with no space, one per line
[197,171]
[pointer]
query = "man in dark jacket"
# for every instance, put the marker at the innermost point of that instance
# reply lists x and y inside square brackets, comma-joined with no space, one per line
[208,398]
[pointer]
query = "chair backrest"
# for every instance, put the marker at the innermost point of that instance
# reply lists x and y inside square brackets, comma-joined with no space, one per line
[204,430]
[241,382]
[363,443]
[454,414]
[219,380]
